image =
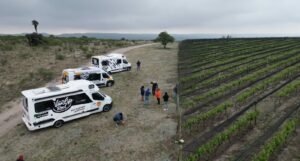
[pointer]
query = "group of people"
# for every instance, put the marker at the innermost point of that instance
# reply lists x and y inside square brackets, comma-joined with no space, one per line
[145,97]
[156,92]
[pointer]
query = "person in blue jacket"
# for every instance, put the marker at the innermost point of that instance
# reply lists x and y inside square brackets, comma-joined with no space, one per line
[147,94]
[119,119]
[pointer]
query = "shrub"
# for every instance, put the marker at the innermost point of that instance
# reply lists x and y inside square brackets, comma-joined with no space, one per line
[59,56]
[45,74]
[35,39]
[24,55]
[3,62]
[6,48]
[84,48]
[54,42]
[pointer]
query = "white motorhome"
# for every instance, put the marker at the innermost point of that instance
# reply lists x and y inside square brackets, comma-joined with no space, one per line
[113,62]
[53,106]
[94,74]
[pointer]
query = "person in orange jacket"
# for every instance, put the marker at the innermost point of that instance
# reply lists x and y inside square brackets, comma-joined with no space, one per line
[157,95]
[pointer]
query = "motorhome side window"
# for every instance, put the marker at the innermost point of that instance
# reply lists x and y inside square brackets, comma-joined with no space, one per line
[119,61]
[95,61]
[125,61]
[81,99]
[94,76]
[76,77]
[105,75]
[66,78]
[105,62]
[43,106]
[97,96]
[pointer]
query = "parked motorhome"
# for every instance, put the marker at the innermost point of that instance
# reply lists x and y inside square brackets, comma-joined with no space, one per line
[111,63]
[55,105]
[94,74]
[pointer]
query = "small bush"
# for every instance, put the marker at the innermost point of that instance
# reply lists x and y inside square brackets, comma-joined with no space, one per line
[35,39]
[3,62]
[59,56]
[84,48]
[24,55]
[45,74]
[6,48]
[71,49]
[46,47]
[54,42]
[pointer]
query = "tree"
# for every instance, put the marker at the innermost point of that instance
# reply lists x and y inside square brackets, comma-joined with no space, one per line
[164,38]
[35,23]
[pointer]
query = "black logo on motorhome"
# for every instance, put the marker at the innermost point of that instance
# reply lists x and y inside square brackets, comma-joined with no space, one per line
[62,105]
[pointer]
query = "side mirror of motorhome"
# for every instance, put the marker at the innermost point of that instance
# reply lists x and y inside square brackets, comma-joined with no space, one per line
[53,106]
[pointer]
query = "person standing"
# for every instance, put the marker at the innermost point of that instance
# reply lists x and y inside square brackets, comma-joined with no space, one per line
[157,95]
[154,87]
[142,89]
[166,99]
[138,65]
[147,94]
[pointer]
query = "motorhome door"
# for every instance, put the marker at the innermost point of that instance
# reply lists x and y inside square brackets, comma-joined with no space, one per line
[105,65]
[119,64]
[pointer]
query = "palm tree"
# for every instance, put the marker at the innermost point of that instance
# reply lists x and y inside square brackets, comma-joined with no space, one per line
[35,23]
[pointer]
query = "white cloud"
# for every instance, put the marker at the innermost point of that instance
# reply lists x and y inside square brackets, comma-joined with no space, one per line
[177,16]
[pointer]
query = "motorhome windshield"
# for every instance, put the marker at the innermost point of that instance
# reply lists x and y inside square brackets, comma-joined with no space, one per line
[125,61]
[97,96]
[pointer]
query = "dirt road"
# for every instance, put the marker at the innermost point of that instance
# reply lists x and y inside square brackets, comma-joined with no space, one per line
[146,135]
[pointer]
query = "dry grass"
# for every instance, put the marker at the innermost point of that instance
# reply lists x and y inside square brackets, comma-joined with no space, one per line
[23,67]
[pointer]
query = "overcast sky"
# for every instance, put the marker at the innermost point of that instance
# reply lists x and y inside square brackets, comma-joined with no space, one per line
[152,16]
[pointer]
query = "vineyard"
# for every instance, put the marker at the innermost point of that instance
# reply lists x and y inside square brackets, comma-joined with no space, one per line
[240,99]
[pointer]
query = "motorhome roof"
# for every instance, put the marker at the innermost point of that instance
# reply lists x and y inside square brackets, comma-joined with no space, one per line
[115,55]
[85,69]
[107,56]
[72,86]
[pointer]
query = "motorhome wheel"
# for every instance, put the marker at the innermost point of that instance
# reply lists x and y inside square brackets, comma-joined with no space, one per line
[106,108]
[58,123]
[108,84]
